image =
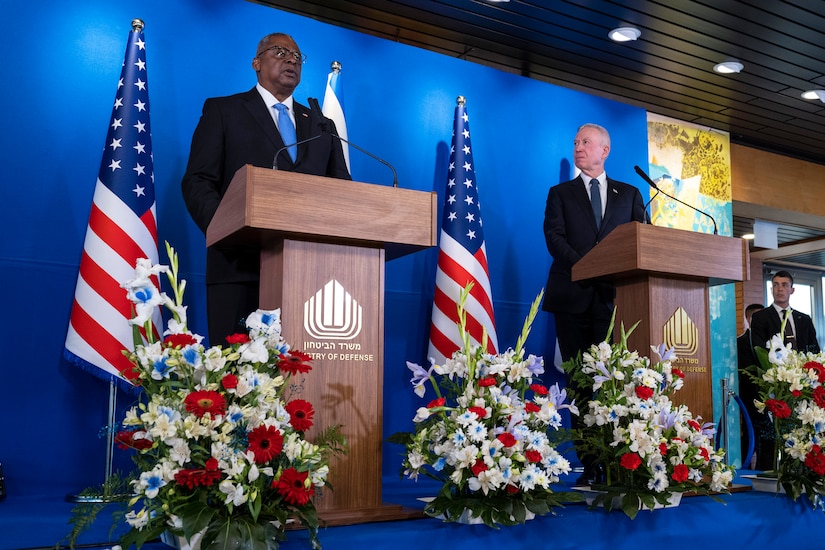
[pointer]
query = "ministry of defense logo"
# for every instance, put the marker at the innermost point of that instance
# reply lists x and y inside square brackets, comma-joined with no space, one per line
[681,334]
[332,314]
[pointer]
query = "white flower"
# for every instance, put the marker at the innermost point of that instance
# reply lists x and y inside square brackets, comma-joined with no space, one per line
[421,414]
[138,520]
[234,493]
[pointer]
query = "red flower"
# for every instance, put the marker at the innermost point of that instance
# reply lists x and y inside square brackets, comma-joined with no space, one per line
[680,473]
[294,362]
[819,396]
[779,408]
[202,402]
[532,455]
[203,477]
[511,489]
[266,443]
[815,460]
[480,411]
[487,382]
[630,461]
[125,439]
[663,448]
[478,467]
[796,393]
[292,486]
[643,392]
[705,454]
[237,338]
[436,403]
[179,340]
[229,381]
[507,439]
[695,425]
[531,407]
[539,389]
[818,368]
[300,414]
[677,372]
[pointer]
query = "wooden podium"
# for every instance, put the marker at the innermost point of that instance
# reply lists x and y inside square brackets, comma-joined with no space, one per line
[323,244]
[662,277]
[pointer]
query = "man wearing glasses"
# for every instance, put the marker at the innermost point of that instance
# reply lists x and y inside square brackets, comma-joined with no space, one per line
[260,127]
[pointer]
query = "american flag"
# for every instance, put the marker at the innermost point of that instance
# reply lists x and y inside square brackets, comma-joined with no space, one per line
[462,256]
[122,227]
[334,105]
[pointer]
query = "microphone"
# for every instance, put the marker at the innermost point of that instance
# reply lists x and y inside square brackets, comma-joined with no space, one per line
[285,147]
[316,109]
[651,183]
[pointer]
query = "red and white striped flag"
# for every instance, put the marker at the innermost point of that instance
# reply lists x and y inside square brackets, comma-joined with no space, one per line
[122,227]
[462,256]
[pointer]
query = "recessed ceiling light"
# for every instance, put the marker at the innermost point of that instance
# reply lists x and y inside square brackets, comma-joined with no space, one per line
[814,94]
[624,34]
[749,236]
[728,67]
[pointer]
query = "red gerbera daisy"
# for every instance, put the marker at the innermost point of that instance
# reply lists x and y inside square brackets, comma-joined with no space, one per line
[815,460]
[293,487]
[265,442]
[300,414]
[294,362]
[819,396]
[201,402]
[780,409]
[817,368]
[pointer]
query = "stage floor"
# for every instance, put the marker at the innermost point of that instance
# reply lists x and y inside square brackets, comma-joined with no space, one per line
[747,519]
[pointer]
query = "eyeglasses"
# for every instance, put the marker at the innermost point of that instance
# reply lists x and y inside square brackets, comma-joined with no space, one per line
[281,53]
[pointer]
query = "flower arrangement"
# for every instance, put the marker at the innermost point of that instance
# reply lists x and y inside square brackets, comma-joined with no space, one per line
[650,448]
[485,435]
[791,387]
[220,449]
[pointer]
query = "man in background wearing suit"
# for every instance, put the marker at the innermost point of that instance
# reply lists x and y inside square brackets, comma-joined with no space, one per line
[250,128]
[799,329]
[579,214]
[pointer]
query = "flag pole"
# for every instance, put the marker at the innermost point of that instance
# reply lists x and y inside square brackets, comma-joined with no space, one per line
[130,193]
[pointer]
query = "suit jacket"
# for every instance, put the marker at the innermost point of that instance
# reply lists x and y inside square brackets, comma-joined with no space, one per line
[766,323]
[570,232]
[237,130]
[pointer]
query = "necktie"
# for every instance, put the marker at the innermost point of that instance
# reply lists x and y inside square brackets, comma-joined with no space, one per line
[287,129]
[596,201]
[789,335]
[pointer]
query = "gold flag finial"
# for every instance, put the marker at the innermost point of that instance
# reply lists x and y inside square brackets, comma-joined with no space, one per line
[336,66]
[137,24]
[461,100]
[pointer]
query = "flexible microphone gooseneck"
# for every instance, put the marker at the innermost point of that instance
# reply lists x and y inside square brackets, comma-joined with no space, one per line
[316,109]
[285,147]
[651,183]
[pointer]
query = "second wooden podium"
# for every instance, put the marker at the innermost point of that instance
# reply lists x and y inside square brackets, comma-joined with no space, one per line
[323,244]
[662,277]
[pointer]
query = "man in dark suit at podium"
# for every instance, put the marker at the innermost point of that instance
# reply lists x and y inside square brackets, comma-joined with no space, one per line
[799,329]
[579,214]
[255,127]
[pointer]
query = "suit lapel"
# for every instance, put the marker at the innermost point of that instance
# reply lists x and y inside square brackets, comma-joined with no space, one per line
[582,199]
[254,103]
[303,127]
[613,195]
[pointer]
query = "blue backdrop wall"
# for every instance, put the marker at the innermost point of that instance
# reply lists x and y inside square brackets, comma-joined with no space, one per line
[61,62]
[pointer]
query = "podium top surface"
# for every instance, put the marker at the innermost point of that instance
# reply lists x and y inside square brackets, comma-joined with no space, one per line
[261,204]
[635,249]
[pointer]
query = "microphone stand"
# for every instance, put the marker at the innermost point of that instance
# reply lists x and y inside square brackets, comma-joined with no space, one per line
[651,183]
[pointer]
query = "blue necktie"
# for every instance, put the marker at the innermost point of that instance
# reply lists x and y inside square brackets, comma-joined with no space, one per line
[287,129]
[596,201]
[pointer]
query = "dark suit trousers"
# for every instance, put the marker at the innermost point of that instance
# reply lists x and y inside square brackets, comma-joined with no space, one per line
[227,305]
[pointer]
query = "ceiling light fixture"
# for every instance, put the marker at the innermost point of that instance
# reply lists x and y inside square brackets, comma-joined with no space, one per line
[728,67]
[814,94]
[749,236]
[624,34]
